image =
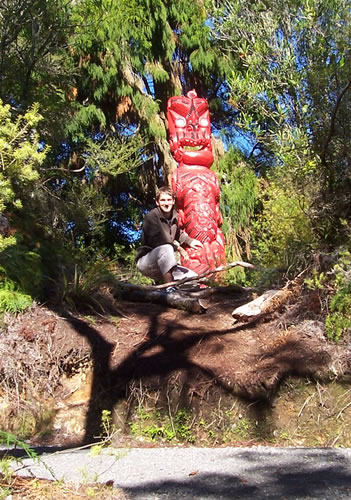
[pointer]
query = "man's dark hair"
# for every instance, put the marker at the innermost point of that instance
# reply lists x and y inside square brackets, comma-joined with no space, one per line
[164,190]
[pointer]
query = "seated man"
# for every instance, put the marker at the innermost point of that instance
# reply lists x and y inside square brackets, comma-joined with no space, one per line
[161,237]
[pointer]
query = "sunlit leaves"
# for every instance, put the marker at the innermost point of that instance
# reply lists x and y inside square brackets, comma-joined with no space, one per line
[20,152]
[282,230]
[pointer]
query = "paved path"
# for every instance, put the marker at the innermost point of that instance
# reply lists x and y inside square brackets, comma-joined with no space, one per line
[203,473]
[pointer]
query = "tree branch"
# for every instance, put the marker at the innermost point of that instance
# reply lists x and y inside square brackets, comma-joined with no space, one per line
[332,122]
[204,274]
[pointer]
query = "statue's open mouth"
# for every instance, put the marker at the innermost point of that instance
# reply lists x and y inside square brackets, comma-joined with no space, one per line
[193,148]
[194,144]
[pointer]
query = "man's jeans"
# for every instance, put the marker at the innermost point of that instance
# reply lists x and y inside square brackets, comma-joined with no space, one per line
[159,261]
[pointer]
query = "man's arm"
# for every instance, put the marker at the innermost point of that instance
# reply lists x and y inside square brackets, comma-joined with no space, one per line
[185,240]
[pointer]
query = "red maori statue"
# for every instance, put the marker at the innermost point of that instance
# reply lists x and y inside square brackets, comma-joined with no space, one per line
[195,186]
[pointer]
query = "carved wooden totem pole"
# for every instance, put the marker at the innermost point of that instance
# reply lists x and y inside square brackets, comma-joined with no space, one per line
[195,186]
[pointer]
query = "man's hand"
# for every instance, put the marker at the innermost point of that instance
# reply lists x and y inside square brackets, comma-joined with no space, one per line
[196,244]
[183,253]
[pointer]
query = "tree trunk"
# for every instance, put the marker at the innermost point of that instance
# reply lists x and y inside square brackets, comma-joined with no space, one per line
[265,304]
[191,301]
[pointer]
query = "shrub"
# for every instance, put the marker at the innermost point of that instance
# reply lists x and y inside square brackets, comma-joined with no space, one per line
[12,300]
[282,233]
[338,320]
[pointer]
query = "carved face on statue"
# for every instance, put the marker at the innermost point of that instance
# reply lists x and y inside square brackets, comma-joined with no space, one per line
[190,130]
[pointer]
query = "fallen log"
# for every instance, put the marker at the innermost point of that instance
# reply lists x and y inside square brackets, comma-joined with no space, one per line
[256,308]
[266,303]
[191,301]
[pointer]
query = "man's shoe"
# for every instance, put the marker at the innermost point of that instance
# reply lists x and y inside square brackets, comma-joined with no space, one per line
[181,272]
[170,289]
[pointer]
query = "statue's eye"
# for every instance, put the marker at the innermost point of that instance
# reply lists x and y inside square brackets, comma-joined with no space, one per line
[180,122]
[204,122]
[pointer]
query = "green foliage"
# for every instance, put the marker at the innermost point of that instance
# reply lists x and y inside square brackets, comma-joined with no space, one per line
[154,431]
[81,287]
[20,154]
[335,286]
[290,88]
[317,281]
[153,426]
[130,59]
[338,320]
[11,440]
[6,463]
[108,431]
[182,426]
[12,300]
[239,191]
[282,232]
[106,423]
[6,242]
[114,156]
[102,73]
[23,267]
[243,428]
[9,483]
[34,64]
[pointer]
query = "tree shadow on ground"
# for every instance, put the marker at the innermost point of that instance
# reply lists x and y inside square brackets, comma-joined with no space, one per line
[161,353]
[109,385]
[172,350]
[165,350]
[260,480]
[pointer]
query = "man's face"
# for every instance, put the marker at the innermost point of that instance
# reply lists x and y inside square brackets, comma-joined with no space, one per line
[165,202]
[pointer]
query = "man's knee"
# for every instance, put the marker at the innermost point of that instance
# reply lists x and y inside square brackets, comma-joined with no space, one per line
[166,259]
[165,250]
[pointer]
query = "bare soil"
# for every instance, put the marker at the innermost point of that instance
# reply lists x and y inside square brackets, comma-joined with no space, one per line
[81,365]
[42,489]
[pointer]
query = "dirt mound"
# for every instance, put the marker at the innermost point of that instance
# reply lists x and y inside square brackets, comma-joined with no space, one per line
[186,358]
